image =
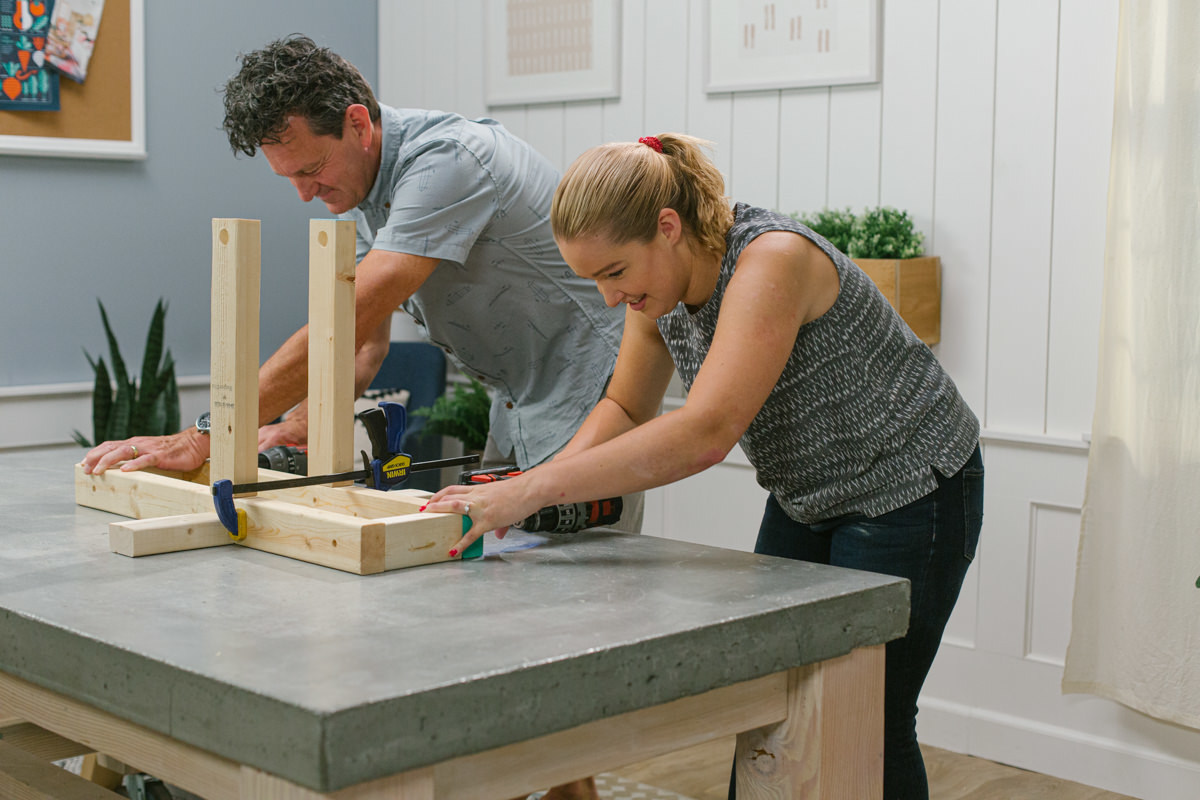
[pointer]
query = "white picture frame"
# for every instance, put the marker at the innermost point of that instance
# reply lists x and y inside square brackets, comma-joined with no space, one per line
[133,148]
[524,43]
[783,44]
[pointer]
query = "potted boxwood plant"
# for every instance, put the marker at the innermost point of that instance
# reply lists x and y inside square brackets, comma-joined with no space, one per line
[884,242]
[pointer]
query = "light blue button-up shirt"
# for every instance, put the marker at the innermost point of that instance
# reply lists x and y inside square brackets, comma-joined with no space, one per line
[502,303]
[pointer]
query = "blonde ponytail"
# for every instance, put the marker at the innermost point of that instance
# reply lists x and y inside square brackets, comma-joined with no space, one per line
[616,191]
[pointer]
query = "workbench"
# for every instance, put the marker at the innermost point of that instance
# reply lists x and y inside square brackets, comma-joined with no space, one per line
[237,674]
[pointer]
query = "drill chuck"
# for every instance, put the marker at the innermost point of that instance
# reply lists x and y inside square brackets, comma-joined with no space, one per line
[285,458]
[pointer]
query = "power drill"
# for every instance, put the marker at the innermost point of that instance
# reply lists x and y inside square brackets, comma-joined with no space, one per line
[285,458]
[562,518]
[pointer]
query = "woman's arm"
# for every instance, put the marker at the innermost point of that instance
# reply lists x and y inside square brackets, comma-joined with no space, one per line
[781,282]
[636,390]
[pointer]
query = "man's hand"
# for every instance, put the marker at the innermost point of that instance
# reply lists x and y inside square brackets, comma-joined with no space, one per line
[290,431]
[182,451]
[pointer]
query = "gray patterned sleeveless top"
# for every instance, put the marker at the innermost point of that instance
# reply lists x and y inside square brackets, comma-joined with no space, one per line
[863,412]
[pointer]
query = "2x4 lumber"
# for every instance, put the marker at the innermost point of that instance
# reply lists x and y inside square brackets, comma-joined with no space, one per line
[330,346]
[357,501]
[831,743]
[607,744]
[147,537]
[236,273]
[413,785]
[24,776]
[92,770]
[39,742]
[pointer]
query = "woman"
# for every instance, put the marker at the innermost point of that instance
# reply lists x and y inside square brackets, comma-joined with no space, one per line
[868,450]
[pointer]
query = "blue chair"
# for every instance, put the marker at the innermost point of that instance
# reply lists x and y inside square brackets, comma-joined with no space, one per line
[420,368]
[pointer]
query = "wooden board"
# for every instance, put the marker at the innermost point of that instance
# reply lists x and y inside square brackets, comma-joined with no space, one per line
[24,776]
[330,346]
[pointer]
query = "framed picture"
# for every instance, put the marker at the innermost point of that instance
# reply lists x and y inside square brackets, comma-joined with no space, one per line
[105,115]
[780,44]
[544,51]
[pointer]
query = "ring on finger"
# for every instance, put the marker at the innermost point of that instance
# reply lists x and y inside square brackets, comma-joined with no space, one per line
[467,510]
[133,447]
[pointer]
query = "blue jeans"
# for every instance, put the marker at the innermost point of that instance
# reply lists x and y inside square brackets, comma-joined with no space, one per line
[931,542]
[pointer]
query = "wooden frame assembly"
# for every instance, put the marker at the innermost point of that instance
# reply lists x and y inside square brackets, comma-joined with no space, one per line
[350,528]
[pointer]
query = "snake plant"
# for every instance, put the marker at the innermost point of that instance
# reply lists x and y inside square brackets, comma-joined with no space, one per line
[124,407]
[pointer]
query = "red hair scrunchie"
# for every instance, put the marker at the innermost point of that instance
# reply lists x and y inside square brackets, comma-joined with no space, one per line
[652,142]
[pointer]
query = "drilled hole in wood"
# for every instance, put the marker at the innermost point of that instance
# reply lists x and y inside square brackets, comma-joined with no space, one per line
[322,238]
[224,236]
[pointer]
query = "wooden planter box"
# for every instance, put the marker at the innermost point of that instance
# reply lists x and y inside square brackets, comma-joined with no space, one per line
[914,288]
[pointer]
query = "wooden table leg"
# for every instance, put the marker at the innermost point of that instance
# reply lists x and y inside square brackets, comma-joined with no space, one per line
[831,743]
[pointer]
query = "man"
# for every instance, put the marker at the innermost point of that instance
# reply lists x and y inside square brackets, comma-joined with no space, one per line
[452,223]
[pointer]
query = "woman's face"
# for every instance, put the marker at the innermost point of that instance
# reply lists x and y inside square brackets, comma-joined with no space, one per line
[650,277]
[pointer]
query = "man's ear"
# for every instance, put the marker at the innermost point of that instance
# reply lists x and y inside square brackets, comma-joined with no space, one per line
[669,225]
[358,124]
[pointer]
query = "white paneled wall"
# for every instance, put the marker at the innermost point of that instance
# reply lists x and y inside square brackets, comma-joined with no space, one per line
[991,126]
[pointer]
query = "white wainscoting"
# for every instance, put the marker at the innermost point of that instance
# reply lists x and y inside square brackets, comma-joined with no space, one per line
[45,416]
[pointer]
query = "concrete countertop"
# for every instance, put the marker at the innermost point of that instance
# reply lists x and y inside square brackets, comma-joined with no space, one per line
[328,679]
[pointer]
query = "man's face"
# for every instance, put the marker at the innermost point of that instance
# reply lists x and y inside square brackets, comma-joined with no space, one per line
[339,172]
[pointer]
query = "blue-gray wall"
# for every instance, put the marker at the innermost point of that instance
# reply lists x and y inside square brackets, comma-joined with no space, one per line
[129,232]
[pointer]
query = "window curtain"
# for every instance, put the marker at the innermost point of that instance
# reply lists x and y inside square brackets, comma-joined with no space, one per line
[1135,635]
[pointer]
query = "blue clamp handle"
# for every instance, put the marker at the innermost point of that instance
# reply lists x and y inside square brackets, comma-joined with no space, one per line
[385,426]
[397,422]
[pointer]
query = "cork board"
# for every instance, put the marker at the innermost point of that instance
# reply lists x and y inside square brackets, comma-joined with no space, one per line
[103,117]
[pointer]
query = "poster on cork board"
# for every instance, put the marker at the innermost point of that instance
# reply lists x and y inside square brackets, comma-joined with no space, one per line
[104,116]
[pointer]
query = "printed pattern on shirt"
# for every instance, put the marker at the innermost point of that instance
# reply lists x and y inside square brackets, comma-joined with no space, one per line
[863,412]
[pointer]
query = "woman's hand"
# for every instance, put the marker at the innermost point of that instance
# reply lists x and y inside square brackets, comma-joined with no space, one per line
[490,507]
[185,450]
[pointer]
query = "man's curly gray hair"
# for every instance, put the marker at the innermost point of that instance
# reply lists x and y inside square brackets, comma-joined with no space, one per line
[291,77]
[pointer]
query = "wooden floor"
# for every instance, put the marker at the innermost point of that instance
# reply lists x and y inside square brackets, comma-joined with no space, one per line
[702,773]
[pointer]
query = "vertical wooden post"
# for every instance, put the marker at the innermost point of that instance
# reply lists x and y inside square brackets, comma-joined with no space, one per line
[831,743]
[330,346]
[236,270]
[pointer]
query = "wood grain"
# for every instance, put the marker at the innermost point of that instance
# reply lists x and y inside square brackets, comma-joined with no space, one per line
[236,271]
[702,773]
[330,346]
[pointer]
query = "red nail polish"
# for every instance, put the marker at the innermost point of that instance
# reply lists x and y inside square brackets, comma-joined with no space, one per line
[453,553]
[422,508]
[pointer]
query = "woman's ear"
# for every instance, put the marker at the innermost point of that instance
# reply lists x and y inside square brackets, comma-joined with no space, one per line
[669,225]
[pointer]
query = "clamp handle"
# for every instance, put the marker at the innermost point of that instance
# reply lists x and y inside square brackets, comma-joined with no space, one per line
[385,426]
[397,423]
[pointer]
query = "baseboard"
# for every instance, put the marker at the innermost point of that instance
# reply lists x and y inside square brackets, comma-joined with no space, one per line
[1116,766]
[45,416]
